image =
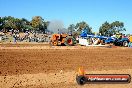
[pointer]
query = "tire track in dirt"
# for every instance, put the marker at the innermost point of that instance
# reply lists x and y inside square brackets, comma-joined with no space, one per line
[17,61]
[29,67]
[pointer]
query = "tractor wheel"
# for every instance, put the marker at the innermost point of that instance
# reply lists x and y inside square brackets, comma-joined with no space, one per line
[58,43]
[54,43]
[125,43]
[81,80]
[69,41]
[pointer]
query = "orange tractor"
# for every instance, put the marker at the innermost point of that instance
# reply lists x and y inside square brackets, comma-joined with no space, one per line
[62,39]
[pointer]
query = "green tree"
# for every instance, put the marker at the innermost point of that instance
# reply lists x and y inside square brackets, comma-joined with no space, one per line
[39,24]
[108,29]
[25,25]
[1,21]
[71,28]
[104,29]
[11,23]
[83,25]
[45,26]
[8,23]
[117,27]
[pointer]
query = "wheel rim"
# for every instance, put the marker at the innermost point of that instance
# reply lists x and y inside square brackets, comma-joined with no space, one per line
[69,41]
[125,44]
[55,43]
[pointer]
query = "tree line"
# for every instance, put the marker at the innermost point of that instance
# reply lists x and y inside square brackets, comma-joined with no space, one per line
[8,23]
[39,24]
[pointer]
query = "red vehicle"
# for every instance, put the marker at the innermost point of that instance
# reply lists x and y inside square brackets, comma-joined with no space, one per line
[62,39]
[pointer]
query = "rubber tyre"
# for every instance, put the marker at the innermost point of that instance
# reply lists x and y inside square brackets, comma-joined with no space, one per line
[54,43]
[67,40]
[125,43]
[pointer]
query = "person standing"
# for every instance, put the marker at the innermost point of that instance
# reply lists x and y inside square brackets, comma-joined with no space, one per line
[14,38]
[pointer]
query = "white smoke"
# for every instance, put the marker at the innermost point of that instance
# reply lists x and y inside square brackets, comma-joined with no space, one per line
[55,26]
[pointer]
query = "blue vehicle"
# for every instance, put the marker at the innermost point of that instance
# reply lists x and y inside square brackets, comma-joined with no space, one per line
[85,34]
[122,42]
[107,40]
[110,40]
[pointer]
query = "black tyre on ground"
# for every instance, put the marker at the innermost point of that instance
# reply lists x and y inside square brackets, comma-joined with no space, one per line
[69,41]
[125,43]
[54,43]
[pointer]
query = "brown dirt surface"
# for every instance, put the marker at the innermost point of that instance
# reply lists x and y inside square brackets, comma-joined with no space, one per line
[44,66]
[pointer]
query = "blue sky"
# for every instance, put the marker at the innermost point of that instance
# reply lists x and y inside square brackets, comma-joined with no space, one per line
[94,12]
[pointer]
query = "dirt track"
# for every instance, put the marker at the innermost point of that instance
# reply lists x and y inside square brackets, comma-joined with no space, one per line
[38,66]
